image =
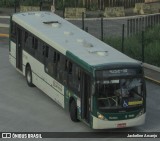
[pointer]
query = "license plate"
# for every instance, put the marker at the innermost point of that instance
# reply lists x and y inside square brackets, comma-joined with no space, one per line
[121,125]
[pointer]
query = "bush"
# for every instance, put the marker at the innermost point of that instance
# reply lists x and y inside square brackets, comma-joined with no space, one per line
[11,3]
[133,45]
[30,2]
[59,5]
[7,3]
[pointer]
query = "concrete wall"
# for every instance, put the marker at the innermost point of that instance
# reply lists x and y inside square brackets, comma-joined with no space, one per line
[74,12]
[147,8]
[146,1]
[29,8]
[114,12]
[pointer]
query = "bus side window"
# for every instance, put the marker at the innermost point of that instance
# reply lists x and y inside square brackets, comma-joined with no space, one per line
[25,36]
[35,43]
[55,57]
[50,65]
[39,51]
[43,50]
[47,59]
[70,75]
[76,79]
[61,72]
[13,31]
[59,65]
[46,51]
[65,72]
[70,68]
[28,45]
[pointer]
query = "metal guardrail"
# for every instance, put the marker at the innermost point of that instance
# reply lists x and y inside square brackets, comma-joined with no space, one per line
[4,25]
[4,35]
[153,80]
[4,17]
[154,70]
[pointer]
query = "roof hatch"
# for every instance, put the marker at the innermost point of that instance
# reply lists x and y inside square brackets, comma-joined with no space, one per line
[55,24]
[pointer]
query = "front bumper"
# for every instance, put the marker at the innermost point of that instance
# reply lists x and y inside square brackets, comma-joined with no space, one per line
[105,124]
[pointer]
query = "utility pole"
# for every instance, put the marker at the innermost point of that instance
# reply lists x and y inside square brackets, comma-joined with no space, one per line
[53,7]
[15,6]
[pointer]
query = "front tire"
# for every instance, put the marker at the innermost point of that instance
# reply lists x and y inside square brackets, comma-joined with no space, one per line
[73,111]
[29,76]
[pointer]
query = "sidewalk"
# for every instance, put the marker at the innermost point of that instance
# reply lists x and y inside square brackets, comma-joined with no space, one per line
[152,73]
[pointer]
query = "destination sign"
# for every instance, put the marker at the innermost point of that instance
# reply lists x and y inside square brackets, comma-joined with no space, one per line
[117,72]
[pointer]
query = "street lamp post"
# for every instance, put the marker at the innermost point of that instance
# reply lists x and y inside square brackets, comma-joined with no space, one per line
[40,5]
[15,6]
[53,6]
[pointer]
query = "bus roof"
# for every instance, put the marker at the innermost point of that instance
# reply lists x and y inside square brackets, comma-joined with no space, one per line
[70,40]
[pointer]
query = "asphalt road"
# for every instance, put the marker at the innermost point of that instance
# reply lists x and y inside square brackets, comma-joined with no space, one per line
[28,109]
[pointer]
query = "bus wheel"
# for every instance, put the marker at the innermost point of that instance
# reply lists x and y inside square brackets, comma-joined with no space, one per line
[29,76]
[73,111]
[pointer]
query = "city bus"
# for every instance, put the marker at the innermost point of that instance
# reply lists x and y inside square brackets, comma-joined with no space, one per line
[94,82]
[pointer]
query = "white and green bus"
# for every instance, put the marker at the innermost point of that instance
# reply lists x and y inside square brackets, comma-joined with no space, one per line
[97,84]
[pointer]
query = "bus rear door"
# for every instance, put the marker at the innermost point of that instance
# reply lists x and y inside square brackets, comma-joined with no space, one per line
[19,49]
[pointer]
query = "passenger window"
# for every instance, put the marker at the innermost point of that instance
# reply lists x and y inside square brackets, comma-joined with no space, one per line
[55,57]
[61,69]
[76,80]
[13,31]
[25,36]
[46,51]
[35,43]
[48,62]
[39,52]
[43,50]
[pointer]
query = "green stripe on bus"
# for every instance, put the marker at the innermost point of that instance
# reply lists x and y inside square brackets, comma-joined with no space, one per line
[80,62]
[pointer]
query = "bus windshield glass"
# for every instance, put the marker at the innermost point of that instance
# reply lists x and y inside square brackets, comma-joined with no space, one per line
[119,93]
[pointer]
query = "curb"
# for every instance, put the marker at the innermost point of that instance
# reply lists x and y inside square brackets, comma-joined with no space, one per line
[152,68]
[4,25]
[4,35]
[4,17]
[152,80]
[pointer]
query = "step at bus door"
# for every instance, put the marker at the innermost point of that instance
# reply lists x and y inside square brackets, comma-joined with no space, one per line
[85,96]
[19,49]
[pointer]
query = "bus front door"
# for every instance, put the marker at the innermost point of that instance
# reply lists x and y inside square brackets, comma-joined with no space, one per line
[19,49]
[85,96]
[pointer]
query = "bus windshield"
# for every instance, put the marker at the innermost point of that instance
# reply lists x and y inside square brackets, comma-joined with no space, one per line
[119,93]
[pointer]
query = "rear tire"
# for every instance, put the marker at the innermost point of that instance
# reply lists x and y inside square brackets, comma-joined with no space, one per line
[29,76]
[73,111]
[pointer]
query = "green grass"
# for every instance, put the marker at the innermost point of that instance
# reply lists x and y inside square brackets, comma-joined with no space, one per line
[30,2]
[11,3]
[7,3]
[133,45]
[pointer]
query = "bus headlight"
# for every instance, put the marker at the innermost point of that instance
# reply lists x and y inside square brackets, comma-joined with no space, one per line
[100,116]
[140,113]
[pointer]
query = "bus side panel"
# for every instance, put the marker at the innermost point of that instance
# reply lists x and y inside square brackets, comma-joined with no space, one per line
[43,81]
[12,54]
[47,89]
